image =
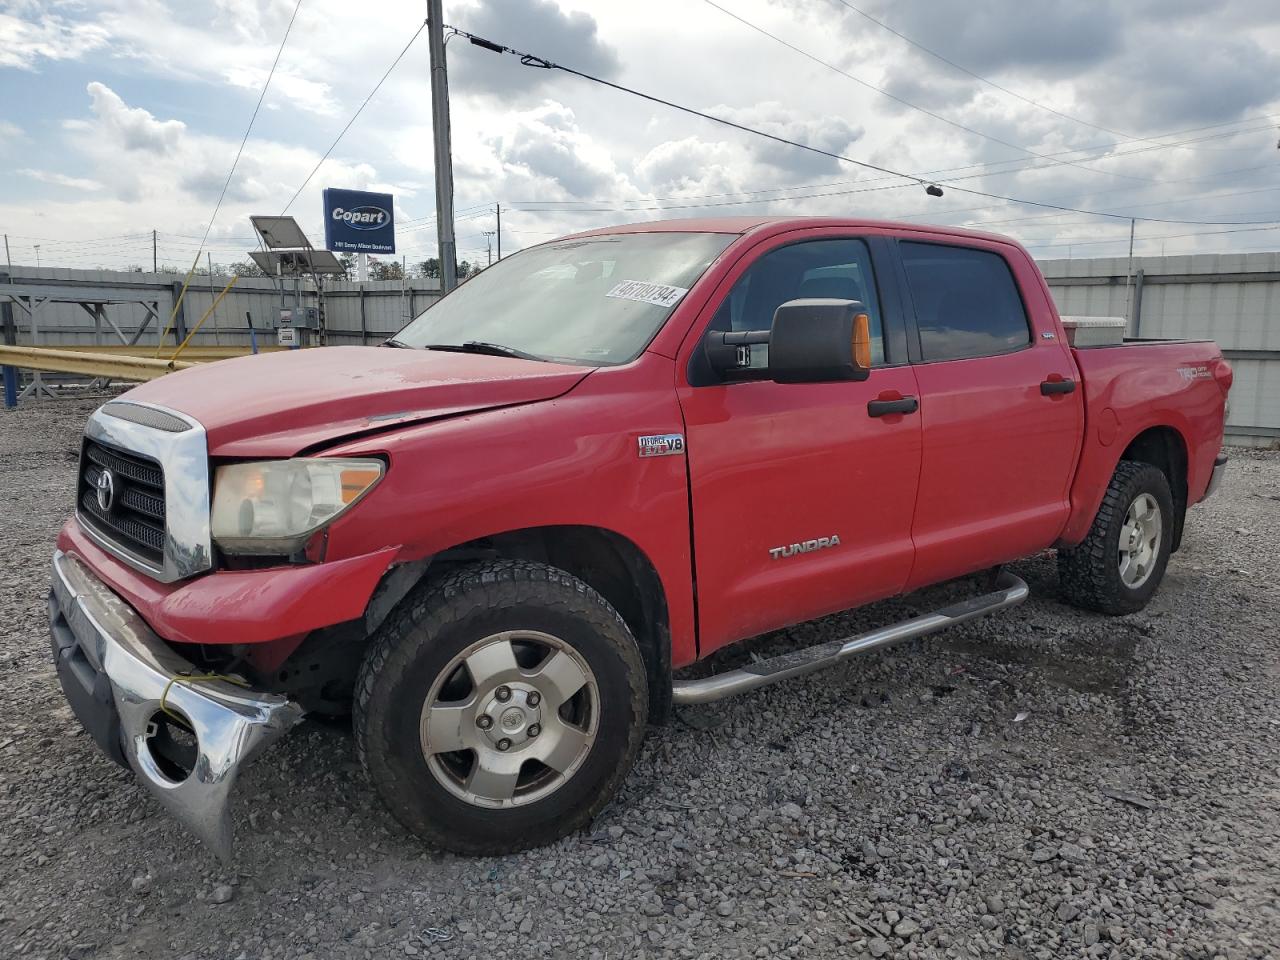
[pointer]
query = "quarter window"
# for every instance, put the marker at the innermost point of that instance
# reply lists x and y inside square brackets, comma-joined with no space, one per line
[829,269]
[966,302]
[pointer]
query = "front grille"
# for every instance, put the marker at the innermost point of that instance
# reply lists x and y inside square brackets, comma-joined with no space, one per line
[134,518]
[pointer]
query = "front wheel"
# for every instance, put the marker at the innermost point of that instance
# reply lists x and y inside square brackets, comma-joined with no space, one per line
[500,708]
[1122,561]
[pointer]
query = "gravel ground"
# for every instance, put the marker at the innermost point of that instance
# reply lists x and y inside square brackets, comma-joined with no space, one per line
[1043,783]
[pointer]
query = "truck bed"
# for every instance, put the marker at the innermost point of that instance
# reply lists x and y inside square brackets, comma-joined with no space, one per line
[1142,385]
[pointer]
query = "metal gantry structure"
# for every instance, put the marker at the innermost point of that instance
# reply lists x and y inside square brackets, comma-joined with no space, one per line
[93,299]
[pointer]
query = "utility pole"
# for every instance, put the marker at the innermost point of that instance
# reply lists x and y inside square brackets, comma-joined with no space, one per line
[1128,279]
[7,259]
[155,265]
[498,208]
[37,246]
[208,259]
[488,243]
[444,160]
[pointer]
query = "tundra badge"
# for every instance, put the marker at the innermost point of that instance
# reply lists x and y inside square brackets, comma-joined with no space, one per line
[777,553]
[661,445]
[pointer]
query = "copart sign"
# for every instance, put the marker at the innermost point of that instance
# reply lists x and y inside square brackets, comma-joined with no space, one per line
[357,221]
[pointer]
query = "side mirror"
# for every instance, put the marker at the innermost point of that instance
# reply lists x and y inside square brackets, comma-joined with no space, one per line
[820,340]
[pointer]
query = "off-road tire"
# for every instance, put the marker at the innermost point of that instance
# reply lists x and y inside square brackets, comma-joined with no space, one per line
[437,621]
[1089,574]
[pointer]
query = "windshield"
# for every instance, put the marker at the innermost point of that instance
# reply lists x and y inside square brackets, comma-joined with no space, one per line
[597,300]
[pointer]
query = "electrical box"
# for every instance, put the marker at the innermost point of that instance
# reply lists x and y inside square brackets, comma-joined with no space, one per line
[290,333]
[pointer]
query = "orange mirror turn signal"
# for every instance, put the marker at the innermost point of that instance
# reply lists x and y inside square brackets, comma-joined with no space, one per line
[862,341]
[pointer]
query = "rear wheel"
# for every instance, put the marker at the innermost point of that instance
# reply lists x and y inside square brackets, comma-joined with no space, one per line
[1122,561]
[500,708]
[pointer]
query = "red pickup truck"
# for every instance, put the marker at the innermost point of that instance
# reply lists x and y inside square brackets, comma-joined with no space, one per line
[494,537]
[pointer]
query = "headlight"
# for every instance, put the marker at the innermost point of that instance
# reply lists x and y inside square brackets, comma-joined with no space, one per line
[274,506]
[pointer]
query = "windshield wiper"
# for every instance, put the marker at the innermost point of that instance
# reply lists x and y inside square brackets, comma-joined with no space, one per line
[481,346]
[393,342]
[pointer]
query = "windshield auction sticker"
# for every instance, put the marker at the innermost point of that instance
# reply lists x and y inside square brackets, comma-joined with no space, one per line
[661,294]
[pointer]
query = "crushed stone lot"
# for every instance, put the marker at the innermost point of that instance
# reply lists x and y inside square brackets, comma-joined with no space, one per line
[1042,783]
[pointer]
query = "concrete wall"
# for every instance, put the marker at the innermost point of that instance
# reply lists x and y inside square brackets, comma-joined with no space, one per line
[1233,299]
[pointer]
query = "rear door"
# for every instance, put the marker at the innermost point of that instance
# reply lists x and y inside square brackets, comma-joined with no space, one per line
[801,498]
[1002,417]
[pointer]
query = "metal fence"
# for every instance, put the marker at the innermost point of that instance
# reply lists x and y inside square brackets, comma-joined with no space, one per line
[1233,299]
[88,308]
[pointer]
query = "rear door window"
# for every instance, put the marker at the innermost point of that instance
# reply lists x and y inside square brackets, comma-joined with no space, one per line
[966,302]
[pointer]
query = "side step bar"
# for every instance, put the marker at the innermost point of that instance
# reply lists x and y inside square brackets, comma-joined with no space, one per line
[1009,592]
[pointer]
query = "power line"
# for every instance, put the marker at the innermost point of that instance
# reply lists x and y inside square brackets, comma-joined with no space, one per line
[245,139]
[934,215]
[532,60]
[355,115]
[1027,165]
[669,205]
[991,83]
[119,236]
[1170,236]
[907,103]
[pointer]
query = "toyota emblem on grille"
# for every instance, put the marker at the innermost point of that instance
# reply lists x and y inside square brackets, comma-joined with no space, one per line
[106,491]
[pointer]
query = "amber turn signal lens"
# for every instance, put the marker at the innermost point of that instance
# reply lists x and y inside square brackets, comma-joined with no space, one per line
[357,481]
[862,341]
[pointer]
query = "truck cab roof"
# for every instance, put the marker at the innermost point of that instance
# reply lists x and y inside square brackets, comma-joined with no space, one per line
[769,226]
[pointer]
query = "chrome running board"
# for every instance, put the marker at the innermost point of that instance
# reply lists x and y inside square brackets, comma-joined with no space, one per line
[1010,591]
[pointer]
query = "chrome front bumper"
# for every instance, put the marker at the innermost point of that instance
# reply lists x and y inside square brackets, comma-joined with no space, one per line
[115,672]
[1215,479]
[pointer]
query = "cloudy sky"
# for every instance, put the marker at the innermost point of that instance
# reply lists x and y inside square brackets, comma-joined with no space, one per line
[119,117]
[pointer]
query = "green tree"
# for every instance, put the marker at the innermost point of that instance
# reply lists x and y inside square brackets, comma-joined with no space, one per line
[247,268]
[379,270]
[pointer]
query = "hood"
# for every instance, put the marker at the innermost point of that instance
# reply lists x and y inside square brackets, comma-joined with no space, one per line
[277,404]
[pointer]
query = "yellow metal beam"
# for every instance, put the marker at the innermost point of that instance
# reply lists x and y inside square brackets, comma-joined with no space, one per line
[112,366]
[200,353]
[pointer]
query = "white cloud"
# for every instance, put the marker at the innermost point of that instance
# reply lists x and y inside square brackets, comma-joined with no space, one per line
[61,179]
[11,136]
[523,134]
[314,96]
[152,172]
[133,127]
[24,43]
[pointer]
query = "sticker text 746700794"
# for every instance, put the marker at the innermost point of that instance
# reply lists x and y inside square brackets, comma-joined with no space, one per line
[661,294]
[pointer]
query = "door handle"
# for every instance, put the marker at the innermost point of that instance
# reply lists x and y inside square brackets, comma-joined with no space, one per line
[882,408]
[1051,386]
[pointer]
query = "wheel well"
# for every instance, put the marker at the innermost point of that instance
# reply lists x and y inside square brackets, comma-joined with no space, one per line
[609,563]
[1164,448]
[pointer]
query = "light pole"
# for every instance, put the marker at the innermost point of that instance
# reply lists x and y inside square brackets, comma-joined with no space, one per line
[37,246]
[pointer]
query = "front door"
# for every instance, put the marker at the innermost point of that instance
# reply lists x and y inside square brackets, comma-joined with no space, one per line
[802,496]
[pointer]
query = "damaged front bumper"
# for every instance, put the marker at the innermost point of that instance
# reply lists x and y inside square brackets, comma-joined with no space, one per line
[116,672]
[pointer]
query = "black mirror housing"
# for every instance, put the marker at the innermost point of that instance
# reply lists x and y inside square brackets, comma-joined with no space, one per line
[819,340]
